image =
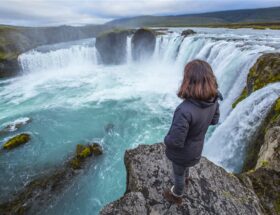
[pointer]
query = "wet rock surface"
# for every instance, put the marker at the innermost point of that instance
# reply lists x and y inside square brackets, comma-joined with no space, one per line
[143,44]
[16,141]
[212,190]
[44,190]
[112,46]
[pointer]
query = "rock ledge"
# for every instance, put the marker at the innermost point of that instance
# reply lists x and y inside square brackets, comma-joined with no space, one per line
[212,190]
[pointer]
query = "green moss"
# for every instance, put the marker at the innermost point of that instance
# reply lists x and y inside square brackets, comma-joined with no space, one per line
[115,31]
[276,114]
[264,163]
[266,183]
[276,205]
[75,163]
[240,98]
[253,148]
[265,71]
[83,152]
[16,141]
[277,105]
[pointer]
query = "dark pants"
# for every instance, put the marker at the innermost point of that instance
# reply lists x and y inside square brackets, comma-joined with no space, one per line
[179,174]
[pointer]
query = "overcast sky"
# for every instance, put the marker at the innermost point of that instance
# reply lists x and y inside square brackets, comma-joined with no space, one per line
[78,12]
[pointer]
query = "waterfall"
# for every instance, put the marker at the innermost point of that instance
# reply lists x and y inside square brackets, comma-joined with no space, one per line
[227,144]
[172,46]
[72,97]
[58,57]
[230,60]
[128,50]
[157,48]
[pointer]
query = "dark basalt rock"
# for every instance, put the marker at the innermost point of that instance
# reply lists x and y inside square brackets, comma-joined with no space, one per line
[143,44]
[42,191]
[112,46]
[212,190]
[187,32]
[9,68]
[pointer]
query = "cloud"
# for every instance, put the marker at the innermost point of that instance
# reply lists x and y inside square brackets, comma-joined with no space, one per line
[57,12]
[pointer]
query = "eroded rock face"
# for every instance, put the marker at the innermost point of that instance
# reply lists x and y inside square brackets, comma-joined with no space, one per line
[143,44]
[211,191]
[266,184]
[269,155]
[112,46]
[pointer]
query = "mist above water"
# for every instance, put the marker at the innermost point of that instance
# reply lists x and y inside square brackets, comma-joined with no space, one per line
[72,98]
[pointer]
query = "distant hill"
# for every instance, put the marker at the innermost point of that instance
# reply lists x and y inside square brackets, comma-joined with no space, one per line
[261,15]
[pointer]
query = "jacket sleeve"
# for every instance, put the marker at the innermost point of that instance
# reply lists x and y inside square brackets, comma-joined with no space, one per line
[216,116]
[178,131]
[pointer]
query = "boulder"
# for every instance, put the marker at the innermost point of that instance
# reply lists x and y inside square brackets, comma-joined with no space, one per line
[14,126]
[83,152]
[112,46]
[212,190]
[16,141]
[42,191]
[269,154]
[187,32]
[143,44]
[266,184]
[265,71]
[9,68]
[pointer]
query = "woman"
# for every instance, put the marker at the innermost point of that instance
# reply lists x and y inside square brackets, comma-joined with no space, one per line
[199,109]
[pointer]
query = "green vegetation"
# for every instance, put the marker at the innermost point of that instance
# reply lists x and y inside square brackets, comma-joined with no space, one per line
[264,163]
[266,183]
[16,141]
[116,31]
[256,26]
[83,152]
[265,71]
[240,98]
[253,148]
[276,112]
[253,18]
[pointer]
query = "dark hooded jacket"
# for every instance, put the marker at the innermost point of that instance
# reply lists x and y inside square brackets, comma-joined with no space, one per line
[185,139]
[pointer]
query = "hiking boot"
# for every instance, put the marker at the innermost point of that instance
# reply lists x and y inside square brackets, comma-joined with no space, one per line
[171,197]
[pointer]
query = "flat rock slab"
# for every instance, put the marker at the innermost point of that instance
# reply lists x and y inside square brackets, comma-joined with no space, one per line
[212,190]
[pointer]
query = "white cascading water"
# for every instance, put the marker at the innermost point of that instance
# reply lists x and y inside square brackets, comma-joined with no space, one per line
[240,127]
[128,50]
[72,97]
[65,57]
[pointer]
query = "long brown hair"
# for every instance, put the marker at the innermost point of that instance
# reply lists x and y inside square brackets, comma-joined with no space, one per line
[199,81]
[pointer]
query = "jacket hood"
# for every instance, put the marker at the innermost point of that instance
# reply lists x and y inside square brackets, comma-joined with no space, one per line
[205,104]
